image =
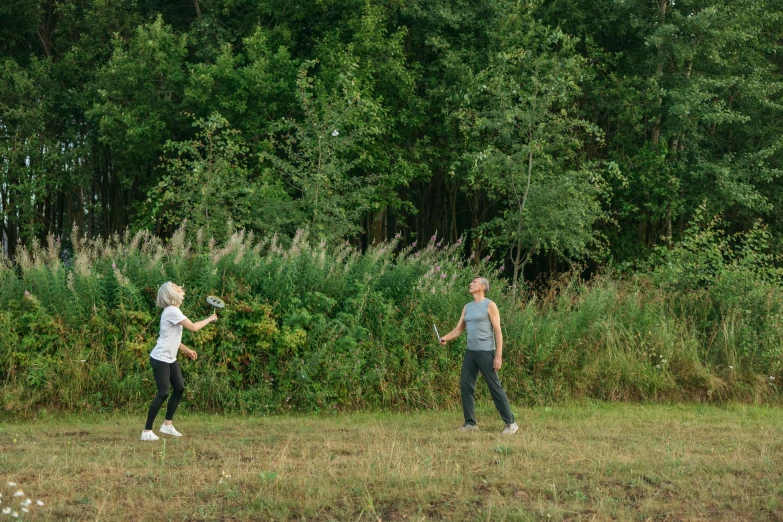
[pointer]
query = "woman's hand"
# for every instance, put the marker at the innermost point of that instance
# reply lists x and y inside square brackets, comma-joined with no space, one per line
[443,341]
[190,353]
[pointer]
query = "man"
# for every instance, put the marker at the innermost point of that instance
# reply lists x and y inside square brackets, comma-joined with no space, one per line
[485,354]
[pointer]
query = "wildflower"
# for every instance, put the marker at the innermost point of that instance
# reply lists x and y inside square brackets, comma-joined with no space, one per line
[397,235]
[335,133]
[27,502]
[459,241]
[413,245]
[26,293]
[432,291]
[487,258]
[19,493]
[12,484]
[443,275]
[440,242]
[434,237]
[437,268]
[114,266]
[472,256]
[38,502]
[771,377]
[731,367]
[15,514]
[6,511]
[501,267]
[25,510]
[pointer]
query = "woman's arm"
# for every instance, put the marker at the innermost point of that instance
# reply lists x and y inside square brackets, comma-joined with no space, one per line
[195,327]
[187,352]
[457,331]
[494,318]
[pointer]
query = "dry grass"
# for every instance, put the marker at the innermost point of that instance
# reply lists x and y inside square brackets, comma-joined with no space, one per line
[588,462]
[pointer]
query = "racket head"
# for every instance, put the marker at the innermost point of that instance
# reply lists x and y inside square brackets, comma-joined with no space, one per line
[215,301]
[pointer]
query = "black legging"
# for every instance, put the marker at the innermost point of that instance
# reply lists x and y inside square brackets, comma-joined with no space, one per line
[165,373]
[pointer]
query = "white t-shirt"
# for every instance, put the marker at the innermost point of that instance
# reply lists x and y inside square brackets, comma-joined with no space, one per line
[170,335]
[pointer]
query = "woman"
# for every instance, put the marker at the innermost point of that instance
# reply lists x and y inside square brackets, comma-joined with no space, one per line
[163,357]
[481,318]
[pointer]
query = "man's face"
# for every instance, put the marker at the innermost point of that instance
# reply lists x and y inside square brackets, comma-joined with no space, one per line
[475,286]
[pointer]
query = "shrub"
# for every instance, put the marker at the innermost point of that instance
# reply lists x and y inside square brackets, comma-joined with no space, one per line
[317,327]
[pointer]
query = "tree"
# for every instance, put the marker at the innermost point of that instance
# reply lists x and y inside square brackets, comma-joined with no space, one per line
[521,113]
[207,183]
[321,158]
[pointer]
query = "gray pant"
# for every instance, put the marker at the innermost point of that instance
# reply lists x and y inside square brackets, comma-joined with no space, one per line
[472,362]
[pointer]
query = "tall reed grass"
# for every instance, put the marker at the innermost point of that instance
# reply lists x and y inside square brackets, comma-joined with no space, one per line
[316,327]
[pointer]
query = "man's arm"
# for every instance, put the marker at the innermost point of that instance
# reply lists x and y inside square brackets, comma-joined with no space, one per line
[457,331]
[494,318]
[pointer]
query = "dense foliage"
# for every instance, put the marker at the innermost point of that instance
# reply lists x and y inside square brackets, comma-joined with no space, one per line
[323,327]
[542,131]
[632,137]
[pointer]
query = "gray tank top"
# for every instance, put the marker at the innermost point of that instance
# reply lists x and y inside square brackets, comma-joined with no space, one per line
[481,334]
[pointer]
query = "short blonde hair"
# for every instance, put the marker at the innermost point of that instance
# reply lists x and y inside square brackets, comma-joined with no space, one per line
[167,296]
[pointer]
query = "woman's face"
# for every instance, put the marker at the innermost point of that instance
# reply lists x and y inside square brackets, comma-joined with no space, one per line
[179,290]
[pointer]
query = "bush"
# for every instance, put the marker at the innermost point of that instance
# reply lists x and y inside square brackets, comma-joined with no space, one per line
[320,327]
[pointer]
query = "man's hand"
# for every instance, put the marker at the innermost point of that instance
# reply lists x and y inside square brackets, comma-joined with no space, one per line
[497,363]
[443,341]
[212,319]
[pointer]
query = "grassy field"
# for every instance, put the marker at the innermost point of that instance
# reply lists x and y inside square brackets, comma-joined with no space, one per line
[585,462]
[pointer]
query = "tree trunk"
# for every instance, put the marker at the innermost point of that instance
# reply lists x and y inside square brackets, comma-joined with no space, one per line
[642,234]
[91,212]
[11,228]
[656,130]
[519,263]
[377,227]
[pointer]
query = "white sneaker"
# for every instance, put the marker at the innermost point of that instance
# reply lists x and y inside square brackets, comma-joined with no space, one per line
[169,430]
[468,427]
[148,435]
[510,429]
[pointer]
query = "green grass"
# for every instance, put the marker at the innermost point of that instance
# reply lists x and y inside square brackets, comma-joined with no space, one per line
[585,462]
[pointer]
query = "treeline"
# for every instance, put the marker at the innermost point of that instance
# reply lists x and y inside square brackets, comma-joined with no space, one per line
[541,131]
